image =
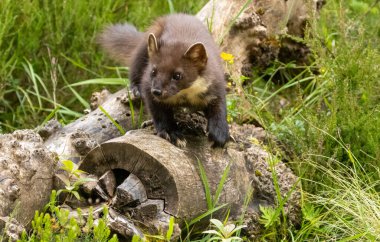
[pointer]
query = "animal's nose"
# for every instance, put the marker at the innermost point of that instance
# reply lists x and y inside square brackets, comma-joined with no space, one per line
[156,92]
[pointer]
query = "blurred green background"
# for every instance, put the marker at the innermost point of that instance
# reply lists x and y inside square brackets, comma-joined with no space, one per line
[46,45]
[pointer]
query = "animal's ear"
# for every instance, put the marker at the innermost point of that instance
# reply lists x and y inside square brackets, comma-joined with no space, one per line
[197,53]
[152,44]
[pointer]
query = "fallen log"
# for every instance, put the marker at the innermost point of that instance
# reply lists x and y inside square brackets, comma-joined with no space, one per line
[144,180]
[162,180]
[76,139]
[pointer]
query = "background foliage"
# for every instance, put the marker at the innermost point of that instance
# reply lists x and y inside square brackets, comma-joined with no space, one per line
[46,45]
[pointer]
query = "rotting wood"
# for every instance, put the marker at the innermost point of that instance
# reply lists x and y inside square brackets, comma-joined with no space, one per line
[26,176]
[123,225]
[101,193]
[258,32]
[108,183]
[130,193]
[89,187]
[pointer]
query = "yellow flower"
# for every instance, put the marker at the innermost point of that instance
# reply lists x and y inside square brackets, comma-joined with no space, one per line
[227,57]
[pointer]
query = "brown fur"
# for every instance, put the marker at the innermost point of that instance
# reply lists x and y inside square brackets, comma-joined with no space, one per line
[119,41]
[176,64]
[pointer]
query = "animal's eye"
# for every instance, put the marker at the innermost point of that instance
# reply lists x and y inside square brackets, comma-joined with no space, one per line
[177,76]
[154,72]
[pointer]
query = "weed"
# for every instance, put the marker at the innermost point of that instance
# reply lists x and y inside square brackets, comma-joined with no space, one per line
[56,224]
[167,237]
[329,109]
[212,201]
[224,232]
[346,208]
[72,179]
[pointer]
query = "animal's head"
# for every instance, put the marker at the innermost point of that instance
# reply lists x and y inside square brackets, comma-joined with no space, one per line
[174,67]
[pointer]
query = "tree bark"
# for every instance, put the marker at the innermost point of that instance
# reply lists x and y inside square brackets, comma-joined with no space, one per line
[27,168]
[258,32]
[76,139]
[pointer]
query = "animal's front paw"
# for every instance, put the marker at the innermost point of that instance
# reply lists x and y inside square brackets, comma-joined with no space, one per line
[135,92]
[146,123]
[218,132]
[173,137]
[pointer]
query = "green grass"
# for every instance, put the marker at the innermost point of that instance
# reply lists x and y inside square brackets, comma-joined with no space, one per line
[46,45]
[348,202]
[337,94]
[353,74]
[327,118]
[330,123]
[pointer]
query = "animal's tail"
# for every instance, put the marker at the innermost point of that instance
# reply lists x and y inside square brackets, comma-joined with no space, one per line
[120,41]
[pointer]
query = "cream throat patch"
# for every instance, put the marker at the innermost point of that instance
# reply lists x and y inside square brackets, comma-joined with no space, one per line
[193,95]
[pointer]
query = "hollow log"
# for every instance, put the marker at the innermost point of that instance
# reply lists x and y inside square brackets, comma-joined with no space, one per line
[163,172]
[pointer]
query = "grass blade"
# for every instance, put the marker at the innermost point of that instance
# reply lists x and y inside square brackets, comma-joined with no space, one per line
[80,65]
[206,184]
[73,113]
[50,116]
[171,6]
[76,94]
[221,184]
[121,130]
[204,215]
[29,70]
[101,81]
[169,233]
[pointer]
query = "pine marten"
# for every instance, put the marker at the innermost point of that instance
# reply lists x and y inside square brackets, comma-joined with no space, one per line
[175,63]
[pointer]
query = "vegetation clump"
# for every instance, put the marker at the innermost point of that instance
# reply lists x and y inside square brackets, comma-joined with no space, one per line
[56,224]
